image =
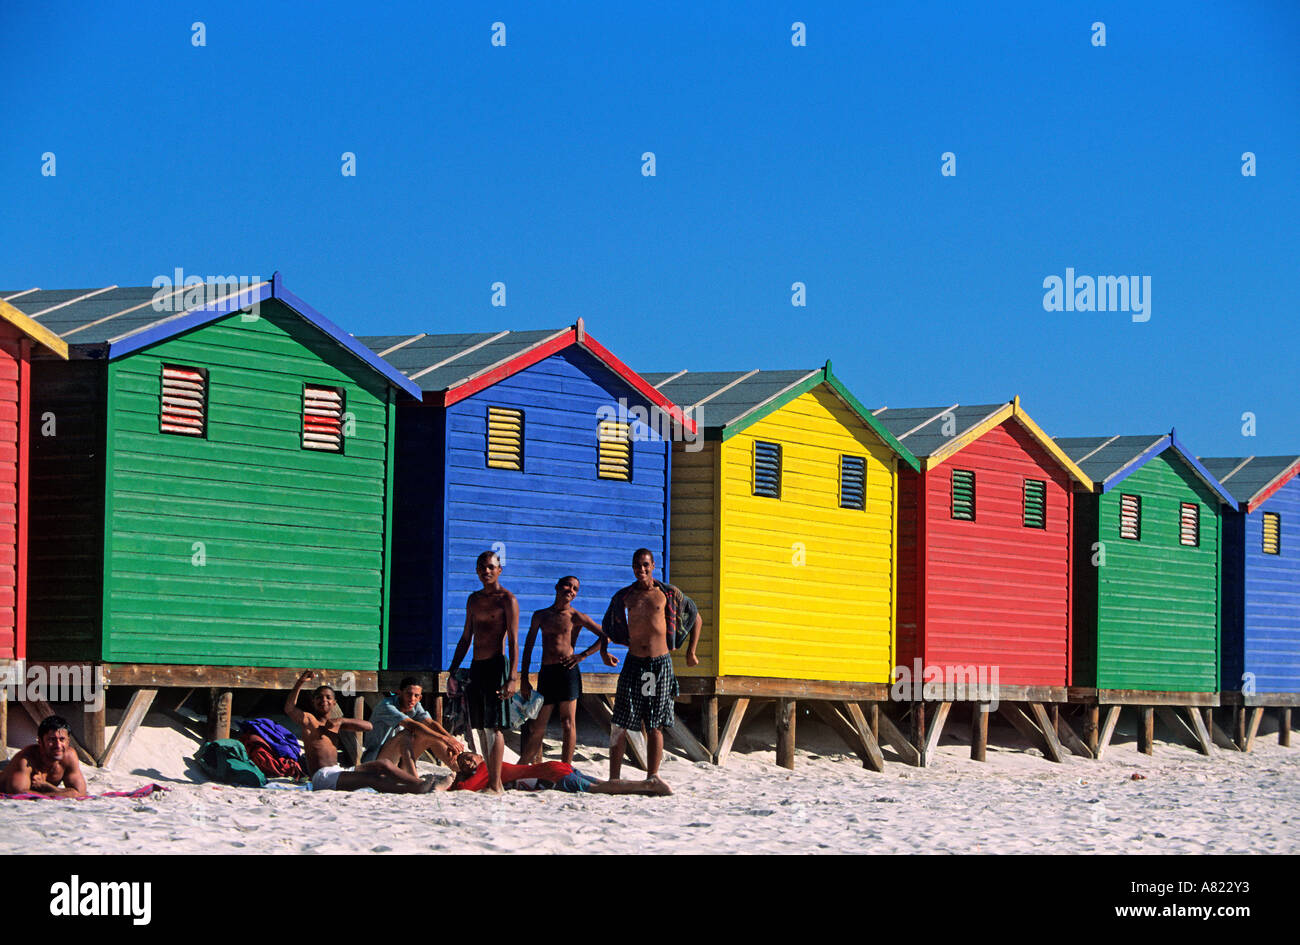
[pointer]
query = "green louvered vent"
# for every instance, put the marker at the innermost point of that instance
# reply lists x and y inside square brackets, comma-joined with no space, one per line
[1130,517]
[853,482]
[767,469]
[1035,503]
[1189,524]
[963,495]
[1272,533]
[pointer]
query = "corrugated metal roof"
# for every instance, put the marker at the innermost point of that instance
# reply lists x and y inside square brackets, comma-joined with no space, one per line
[1247,476]
[926,430]
[723,397]
[1103,456]
[441,362]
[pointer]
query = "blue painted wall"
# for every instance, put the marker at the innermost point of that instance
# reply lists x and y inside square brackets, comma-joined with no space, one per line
[553,518]
[1264,637]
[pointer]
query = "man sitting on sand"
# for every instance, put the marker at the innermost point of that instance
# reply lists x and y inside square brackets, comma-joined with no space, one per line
[320,738]
[401,730]
[559,680]
[472,775]
[49,767]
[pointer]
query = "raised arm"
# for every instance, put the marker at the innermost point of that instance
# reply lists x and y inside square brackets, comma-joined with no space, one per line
[291,702]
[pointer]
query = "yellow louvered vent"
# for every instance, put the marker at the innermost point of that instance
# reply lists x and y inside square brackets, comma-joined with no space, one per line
[322,419]
[1272,533]
[184,408]
[1189,524]
[505,438]
[614,459]
[1130,517]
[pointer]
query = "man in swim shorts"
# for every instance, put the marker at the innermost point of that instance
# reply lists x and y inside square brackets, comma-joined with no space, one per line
[49,767]
[472,775]
[491,620]
[559,680]
[320,738]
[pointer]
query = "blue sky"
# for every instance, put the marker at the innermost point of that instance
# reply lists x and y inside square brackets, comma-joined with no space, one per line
[774,164]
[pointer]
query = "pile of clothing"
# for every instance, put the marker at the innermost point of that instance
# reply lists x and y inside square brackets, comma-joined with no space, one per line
[272,748]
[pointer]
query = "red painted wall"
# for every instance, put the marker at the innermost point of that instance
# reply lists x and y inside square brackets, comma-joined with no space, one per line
[12,492]
[991,592]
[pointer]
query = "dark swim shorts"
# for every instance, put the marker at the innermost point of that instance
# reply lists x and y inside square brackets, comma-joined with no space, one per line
[486,680]
[647,693]
[558,684]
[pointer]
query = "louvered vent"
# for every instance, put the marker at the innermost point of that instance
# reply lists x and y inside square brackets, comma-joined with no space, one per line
[184,400]
[1189,524]
[963,495]
[1272,533]
[767,469]
[853,482]
[1035,503]
[1130,517]
[505,438]
[614,451]
[322,419]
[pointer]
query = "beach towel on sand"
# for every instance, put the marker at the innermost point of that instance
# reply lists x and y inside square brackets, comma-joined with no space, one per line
[269,763]
[142,791]
[226,760]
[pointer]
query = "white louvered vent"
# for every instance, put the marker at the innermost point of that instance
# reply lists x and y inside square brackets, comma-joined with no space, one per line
[1130,517]
[184,407]
[1189,524]
[322,419]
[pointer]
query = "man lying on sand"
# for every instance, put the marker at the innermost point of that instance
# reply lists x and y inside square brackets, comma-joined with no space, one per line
[472,775]
[402,730]
[320,738]
[48,767]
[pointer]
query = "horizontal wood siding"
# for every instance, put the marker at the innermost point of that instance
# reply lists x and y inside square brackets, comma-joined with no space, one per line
[415,628]
[824,610]
[65,549]
[695,562]
[997,593]
[555,517]
[1272,598]
[1157,600]
[10,360]
[293,539]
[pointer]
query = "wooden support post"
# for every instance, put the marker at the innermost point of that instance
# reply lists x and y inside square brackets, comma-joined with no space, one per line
[1203,742]
[1256,714]
[681,736]
[709,721]
[873,719]
[732,729]
[918,731]
[93,725]
[1284,727]
[1045,723]
[1107,730]
[359,713]
[219,701]
[898,741]
[852,727]
[1146,729]
[936,732]
[1091,727]
[1218,735]
[871,757]
[4,724]
[1065,732]
[135,712]
[1176,725]
[437,709]
[979,730]
[1239,726]
[785,726]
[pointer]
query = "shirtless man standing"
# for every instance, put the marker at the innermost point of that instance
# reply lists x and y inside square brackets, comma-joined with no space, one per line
[320,738]
[559,680]
[647,686]
[491,618]
[48,767]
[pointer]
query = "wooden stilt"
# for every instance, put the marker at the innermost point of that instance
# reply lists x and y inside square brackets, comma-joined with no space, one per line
[1199,732]
[732,729]
[681,736]
[219,701]
[1107,730]
[1284,727]
[852,727]
[38,710]
[1091,728]
[1256,714]
[136,710]
[979,730]
[437,709]
[873,719]
[871,755]
[1218,735]
[785,726]
[1065,732]
[93,726]
[936,732]
[1180,729]
[358,713]
[1239,726]
[918,731]
[1044,721]
[709,722]
[1146,729]
[898,741]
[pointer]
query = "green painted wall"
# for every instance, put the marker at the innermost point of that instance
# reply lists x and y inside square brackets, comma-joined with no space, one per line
[292,542]
[1157,604]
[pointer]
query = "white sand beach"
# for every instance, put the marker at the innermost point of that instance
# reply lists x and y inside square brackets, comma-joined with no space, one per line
[1017,802]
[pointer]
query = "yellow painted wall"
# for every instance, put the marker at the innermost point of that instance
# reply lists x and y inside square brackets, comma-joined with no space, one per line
[694,487]
[831,616]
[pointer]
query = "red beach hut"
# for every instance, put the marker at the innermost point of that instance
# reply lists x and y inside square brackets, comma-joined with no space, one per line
[19,335]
